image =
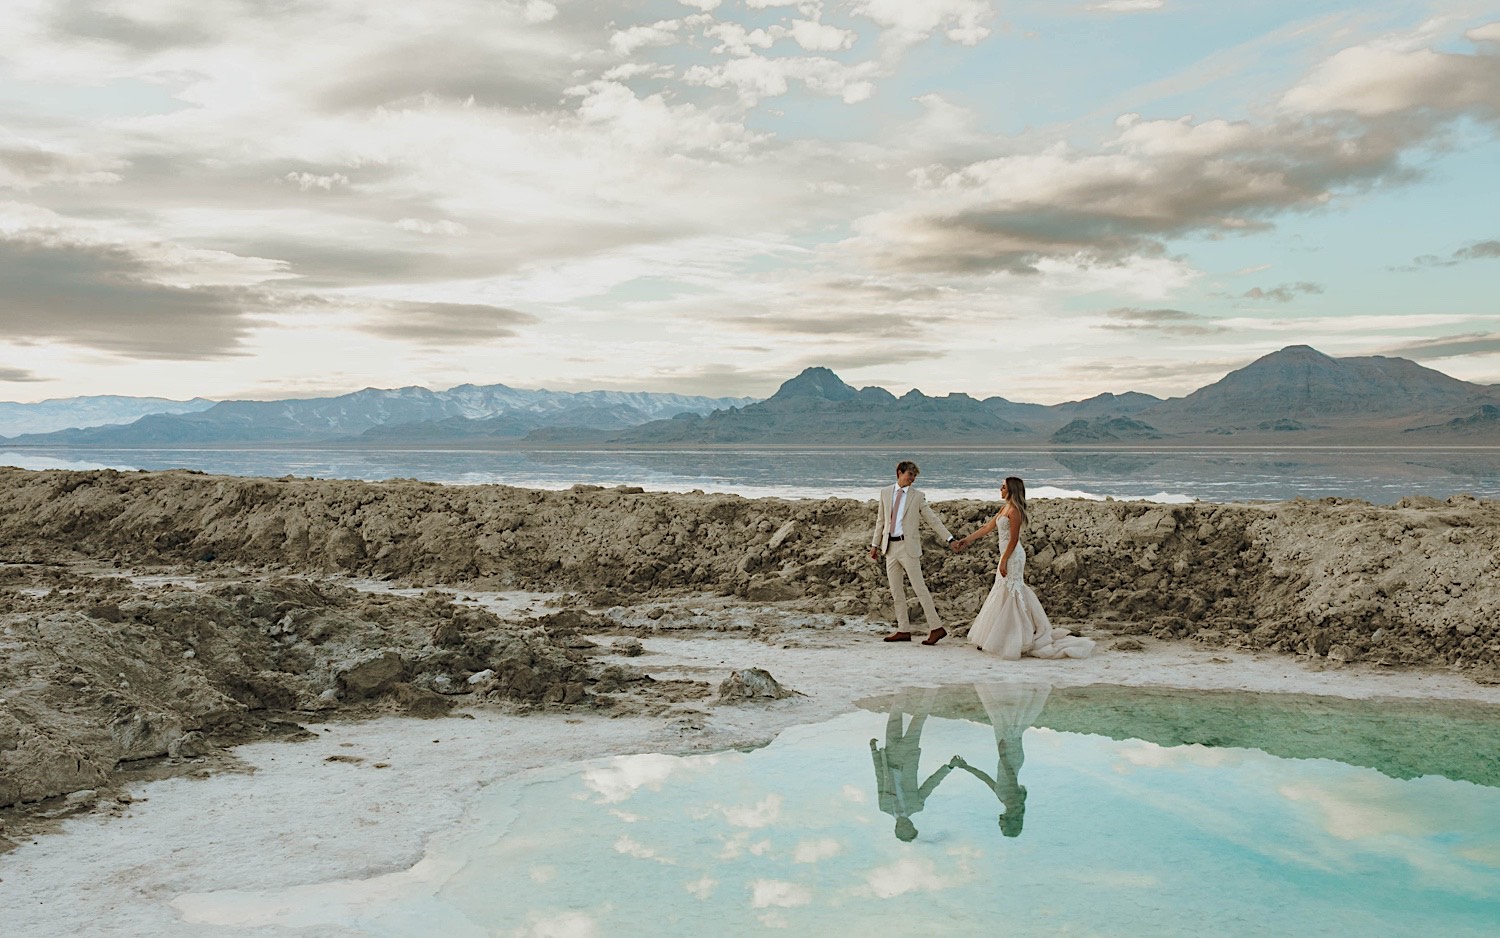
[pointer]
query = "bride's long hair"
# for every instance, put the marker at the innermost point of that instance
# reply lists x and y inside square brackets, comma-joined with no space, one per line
[1015,494]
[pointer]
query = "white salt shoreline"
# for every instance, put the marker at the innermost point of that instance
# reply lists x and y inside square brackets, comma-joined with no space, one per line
[298,818]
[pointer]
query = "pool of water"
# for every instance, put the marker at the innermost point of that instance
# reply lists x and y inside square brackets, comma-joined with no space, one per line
[976,809]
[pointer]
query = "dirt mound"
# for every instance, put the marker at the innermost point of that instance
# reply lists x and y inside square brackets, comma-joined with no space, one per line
[96,672]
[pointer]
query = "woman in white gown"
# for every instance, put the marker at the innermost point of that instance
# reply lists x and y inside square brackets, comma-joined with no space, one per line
[1012,621]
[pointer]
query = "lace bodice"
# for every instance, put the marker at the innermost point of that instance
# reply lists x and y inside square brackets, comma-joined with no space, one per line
[1016,567]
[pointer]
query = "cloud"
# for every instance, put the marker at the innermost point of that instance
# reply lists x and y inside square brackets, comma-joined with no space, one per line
[10,375]
[628,41]
[1453,346]
[26,165]
[1479,250]
[1346,127]
[151,301]
[755,77]
[863,324]
[490,73]
[1164,321]
[1482,249]
[820,37]
[1284,293]
[435,325]
[907,23]
[1126,6]
[1388,78]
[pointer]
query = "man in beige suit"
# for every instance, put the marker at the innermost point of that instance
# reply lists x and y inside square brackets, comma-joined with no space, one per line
[897,535]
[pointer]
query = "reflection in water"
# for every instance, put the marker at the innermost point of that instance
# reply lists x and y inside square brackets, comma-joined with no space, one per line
[1253,826]
[1010,708]
[896,766]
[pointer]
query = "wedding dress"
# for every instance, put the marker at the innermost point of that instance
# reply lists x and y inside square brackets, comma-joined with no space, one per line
[1012,621]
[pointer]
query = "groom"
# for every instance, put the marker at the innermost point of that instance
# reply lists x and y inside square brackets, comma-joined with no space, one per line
[897,535]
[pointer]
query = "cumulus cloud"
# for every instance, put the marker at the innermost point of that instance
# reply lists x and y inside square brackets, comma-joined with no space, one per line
[629,41]
[1387,78]
[1158,179]
[905,22]
[820,37]
[755,77]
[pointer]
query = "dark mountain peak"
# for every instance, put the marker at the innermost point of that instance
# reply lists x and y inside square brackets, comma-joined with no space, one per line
[914,395]
[1297,353]
[815,382]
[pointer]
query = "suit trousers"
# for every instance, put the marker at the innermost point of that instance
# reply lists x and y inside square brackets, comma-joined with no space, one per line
[903,557]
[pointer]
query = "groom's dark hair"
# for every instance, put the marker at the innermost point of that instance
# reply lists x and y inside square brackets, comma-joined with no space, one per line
[906,465]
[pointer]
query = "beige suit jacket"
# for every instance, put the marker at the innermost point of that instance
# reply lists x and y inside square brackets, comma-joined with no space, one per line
[914,507]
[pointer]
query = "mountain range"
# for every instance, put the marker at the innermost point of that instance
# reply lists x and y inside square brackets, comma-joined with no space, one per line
[377,416]
[1297,395]
[96,411]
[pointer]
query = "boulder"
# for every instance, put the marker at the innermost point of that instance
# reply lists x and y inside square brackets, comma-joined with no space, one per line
[371,676]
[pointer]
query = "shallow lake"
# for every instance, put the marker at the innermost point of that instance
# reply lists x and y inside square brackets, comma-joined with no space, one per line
[976,809]
[1221,475]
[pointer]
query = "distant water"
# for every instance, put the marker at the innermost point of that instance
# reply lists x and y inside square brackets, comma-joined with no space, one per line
[963,811]
[1168,475]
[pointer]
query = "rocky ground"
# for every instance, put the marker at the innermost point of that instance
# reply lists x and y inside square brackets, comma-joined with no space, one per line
[256,606]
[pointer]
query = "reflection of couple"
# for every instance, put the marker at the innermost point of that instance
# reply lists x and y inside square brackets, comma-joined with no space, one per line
[1012,621]
[1011,708]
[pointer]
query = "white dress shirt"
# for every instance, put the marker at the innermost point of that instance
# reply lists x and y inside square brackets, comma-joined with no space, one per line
[898,505]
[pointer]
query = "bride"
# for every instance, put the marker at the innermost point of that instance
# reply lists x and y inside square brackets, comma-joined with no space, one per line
[1012,621]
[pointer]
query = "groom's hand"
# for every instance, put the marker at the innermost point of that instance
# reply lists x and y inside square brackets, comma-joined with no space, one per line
[874,553]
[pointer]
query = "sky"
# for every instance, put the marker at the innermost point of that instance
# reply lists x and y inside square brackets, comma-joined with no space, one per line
[1037,200]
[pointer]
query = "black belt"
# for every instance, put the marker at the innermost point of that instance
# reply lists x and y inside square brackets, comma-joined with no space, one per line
[897,537]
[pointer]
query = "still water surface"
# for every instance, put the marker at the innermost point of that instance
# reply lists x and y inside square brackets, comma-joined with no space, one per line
[1380,476]
[976,809]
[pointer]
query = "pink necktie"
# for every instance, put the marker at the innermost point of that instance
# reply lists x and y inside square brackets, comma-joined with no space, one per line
[895,511]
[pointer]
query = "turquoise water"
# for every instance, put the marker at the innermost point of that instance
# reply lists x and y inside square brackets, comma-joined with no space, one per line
[966,810]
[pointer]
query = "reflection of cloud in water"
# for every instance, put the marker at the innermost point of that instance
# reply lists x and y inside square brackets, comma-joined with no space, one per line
[761,814]
[1141,754]
[632,848]
[774,893]
[909,874]
[811,851]
[617,780]
[703,887]
[561,925]
[1442,835]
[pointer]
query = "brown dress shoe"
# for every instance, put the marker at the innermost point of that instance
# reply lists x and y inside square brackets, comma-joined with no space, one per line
[935,636]
[897,637]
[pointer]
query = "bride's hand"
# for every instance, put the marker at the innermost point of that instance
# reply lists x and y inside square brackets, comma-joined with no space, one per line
[1002,568]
